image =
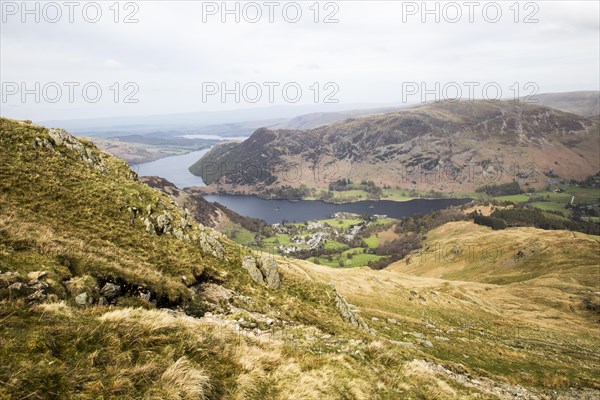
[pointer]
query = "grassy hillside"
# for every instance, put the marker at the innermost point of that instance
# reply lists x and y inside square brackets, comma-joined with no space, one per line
[109,290]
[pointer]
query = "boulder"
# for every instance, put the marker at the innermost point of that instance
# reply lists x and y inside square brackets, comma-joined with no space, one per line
[249,264]
[270,270]
[149,226]
[145,296]
[37,275]
[163,223]
[81,299]
[210,244]
[37,297]
[110,290]
[18,286]
[37,285]
[347,314]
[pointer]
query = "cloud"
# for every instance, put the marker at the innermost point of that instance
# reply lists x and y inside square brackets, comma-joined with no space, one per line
[369,53]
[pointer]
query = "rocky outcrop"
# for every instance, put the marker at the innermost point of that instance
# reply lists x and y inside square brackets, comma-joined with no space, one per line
[347,314]
[268,267]
[33,289]
[264,270]
[165,223]
[249,264]
[60,137]
[110,290]
[209,242]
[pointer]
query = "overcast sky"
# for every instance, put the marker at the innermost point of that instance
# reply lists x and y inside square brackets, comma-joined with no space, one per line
[370,55]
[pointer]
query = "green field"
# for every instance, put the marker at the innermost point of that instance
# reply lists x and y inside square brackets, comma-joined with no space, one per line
[280,238]
[238,234]
[358,258]
[551,201]
[372,241]
[397,195]
[340,223]
[334,245]
[551,206]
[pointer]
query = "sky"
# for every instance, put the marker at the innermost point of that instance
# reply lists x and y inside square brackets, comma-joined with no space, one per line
[158,57]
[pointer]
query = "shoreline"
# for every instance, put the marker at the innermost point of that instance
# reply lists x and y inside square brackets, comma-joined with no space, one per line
[199,191]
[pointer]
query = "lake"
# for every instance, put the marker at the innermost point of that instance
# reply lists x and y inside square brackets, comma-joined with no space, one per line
[275,211]
[174,169]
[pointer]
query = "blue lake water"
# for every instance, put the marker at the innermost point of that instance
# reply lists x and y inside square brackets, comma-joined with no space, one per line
[174,169]
[275,211]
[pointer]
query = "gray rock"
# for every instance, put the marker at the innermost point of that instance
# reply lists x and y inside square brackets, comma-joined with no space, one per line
[145,296]
[426,343]
[247,324]
[37,285]
[404,344]
[110,290]
[178,233]
[81,299]
[347,314]
[270,270]
[149,226]
[210,244]
[17,286]
[163,223]
[37,275]
[249,264]
[37,297]
[392,321]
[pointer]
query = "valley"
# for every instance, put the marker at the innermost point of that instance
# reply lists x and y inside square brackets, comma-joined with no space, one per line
[340,200]
[117,285]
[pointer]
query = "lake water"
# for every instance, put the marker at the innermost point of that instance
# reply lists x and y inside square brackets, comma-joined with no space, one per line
[174,169]
[275,211]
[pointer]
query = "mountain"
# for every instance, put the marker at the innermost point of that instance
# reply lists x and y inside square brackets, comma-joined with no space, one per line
[586,103]
[307,121]
[444,146]
[109,289]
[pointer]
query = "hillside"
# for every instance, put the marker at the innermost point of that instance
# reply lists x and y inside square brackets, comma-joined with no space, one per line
[586,104]
[108,289]
[307,121]
[445,147]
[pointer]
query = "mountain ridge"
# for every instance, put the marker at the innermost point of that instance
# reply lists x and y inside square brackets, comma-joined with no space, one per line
[472,143]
